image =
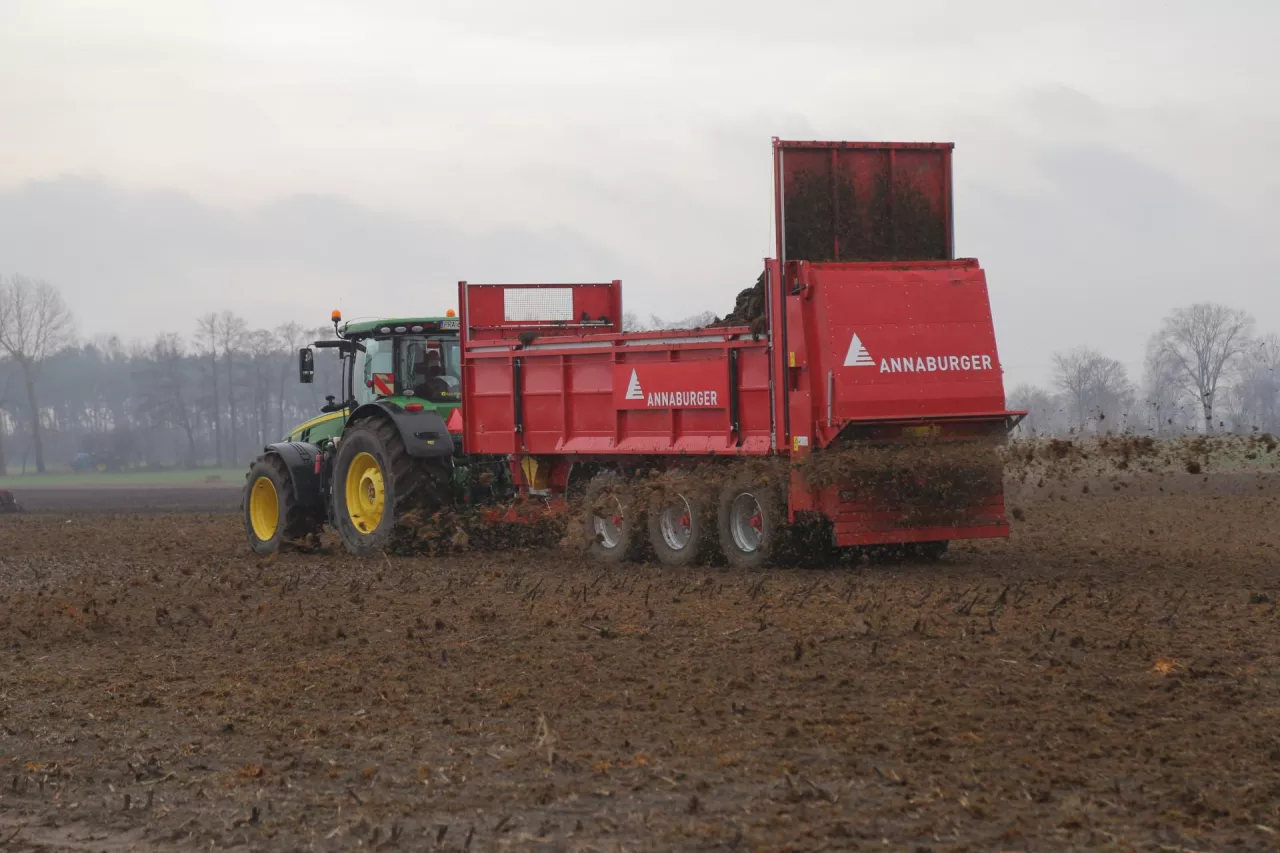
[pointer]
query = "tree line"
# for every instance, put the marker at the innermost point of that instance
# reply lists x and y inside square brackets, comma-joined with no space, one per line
[212,397]
[1205,371]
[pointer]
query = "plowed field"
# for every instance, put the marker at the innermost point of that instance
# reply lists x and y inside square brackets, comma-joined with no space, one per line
[1106,679]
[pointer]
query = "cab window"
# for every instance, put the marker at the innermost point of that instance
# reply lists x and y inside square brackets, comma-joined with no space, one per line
[430,369]
[377,358]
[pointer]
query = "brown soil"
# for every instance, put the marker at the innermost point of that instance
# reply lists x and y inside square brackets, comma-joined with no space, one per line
[195,497]
[1106,679]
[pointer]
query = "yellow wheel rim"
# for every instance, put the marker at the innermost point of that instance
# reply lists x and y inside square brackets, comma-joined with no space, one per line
[264,509]
[366,496]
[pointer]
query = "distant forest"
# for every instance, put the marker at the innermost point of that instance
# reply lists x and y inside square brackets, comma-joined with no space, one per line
[213,397]
[216,394]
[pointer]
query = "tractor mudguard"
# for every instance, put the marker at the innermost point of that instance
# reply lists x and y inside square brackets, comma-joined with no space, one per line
[300,458]
[424,433]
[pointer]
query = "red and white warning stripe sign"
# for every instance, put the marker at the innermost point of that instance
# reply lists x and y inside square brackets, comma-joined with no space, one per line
[384,384]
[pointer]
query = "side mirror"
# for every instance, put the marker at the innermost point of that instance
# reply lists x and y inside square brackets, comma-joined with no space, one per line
[306,366]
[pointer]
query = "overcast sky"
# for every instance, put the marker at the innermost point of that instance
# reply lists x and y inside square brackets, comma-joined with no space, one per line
[161,159]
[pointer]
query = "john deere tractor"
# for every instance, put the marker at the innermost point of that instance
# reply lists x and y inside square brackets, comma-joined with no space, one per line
[380,449]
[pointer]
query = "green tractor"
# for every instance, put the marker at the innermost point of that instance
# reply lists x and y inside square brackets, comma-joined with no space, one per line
[387,447]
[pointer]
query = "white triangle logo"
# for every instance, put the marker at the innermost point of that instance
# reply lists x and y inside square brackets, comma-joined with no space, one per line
[633,387]
[858,355]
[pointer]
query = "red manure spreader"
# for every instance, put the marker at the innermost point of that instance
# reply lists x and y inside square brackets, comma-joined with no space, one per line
[852,399]
[855,391]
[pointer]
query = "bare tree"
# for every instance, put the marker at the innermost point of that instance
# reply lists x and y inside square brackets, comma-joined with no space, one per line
[231,332]
[1256,396]
[1113,394]
[1040,407]
[34,324]
[292,337]
[1096,387]
[207,342]
[168,396]
[1071,373]
[693,321]
[1201,343]
[4,398]
[632,323]
[1163,396]
[262,348]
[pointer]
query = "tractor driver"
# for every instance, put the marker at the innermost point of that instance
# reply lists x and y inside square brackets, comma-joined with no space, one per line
[427,369]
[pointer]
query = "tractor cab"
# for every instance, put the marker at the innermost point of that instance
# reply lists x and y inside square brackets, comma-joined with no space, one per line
[421,365]
[411,362]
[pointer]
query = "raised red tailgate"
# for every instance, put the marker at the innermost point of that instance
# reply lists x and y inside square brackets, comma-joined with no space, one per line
[900,341]
[864,201]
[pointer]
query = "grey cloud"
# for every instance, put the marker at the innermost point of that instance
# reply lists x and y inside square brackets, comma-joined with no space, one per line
[1059,105]
[132,261]
[762,22]
[1110,249]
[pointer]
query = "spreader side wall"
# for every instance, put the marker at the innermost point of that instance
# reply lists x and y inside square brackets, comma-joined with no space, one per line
[683,394]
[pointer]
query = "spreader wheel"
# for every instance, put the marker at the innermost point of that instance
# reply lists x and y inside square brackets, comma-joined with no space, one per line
[748,518]
[608,518]
[679,530]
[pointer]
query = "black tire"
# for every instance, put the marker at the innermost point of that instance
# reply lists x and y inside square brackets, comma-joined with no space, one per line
[744,550]
[680,530]
[269,476]
[403,483]
[612,541]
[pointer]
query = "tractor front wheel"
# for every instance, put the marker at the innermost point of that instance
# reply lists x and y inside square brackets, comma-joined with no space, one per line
[375,483]
[271,513]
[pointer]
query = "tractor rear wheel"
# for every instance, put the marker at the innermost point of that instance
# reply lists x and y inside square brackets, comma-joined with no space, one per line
[608,518]
[376,483]
[271,512]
